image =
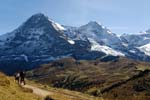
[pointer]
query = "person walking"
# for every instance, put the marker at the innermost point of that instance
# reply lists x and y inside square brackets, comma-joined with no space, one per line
[17,77]
[22,76]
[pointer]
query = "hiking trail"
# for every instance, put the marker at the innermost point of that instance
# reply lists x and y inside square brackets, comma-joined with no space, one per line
[38,91]
[69,96]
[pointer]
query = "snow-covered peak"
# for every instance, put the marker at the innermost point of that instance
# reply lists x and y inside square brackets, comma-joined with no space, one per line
[35,27]
[40,20]
[95,27]
[38,15]
[94,23]
[31,24]
[37,18]
[99,33]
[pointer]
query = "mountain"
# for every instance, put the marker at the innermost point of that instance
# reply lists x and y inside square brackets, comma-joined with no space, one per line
[36,33]
[89,58]
[136,39]
[137,45]
[100,38]
[40,40]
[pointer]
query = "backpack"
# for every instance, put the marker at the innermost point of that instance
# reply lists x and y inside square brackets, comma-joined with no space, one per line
[17,75]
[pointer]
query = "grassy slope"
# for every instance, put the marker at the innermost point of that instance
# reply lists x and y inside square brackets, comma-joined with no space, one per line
[137,88]
[87,76]
[9,90]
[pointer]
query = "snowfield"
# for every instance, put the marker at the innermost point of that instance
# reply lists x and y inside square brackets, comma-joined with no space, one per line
[145,49]
[109,51]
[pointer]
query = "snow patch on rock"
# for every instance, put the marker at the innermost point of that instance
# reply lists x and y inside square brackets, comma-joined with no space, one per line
[25,57]
[145,49]
[71,41]
[109,51]
[57,26]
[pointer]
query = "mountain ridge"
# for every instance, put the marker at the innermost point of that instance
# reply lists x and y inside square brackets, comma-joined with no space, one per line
[41,40]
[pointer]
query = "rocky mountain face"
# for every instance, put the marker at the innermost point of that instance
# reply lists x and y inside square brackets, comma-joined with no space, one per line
[40,40]
[137,45]
[101,39]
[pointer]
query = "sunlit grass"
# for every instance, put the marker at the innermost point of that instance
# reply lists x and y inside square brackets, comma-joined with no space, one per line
[10,90]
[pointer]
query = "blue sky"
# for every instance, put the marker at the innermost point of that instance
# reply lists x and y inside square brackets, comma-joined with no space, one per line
[121,16]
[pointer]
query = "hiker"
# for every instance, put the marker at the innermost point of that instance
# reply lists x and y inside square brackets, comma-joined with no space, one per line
[22,76]
[17,77]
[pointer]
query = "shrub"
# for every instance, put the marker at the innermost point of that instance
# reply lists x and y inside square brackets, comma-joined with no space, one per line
[48,98]
[27,90]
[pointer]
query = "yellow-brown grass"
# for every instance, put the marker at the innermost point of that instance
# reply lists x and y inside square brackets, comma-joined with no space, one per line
[10,90]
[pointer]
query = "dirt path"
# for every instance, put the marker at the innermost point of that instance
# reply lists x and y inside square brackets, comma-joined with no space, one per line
[38,91]
[67,95]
